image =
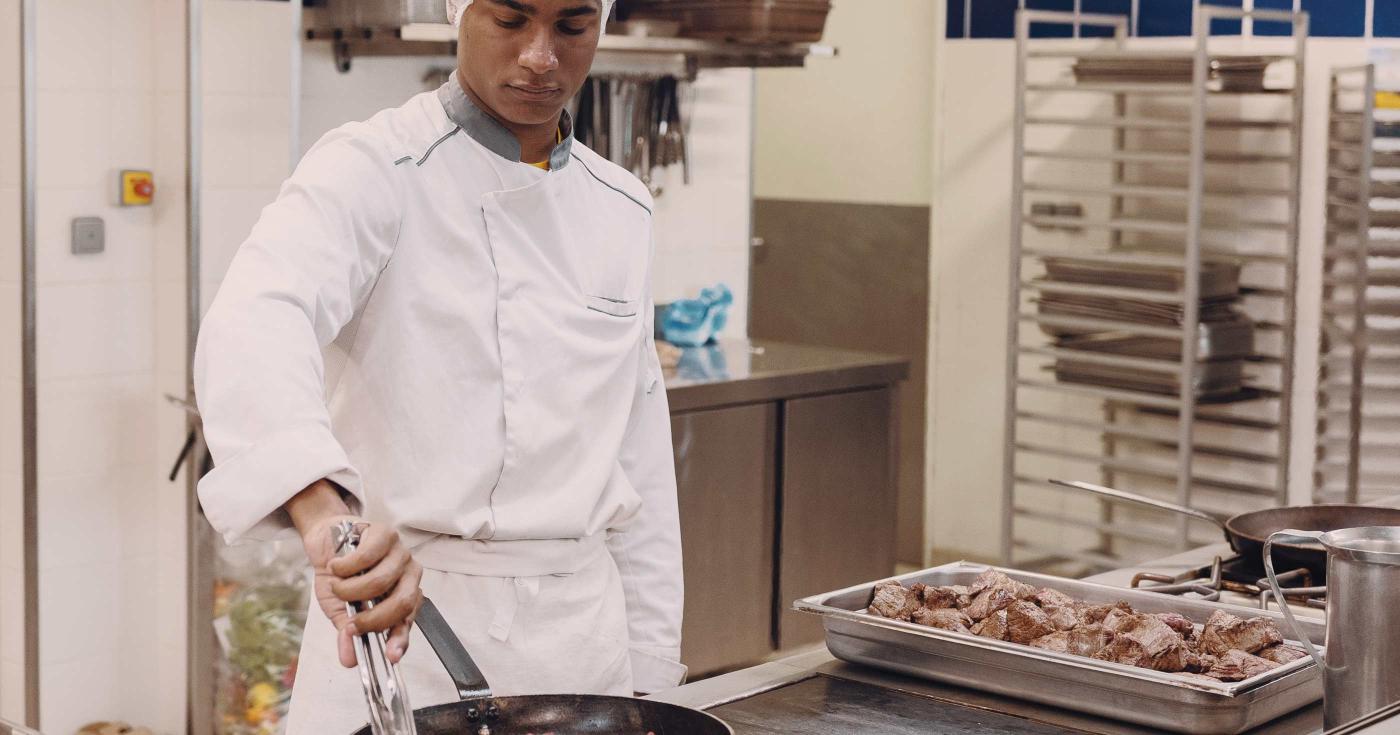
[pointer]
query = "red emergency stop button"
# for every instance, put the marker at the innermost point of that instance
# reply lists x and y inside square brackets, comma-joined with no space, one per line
[138,188]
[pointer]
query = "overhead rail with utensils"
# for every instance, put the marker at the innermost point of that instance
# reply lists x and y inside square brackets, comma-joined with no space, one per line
[1358,423]
[1151,329]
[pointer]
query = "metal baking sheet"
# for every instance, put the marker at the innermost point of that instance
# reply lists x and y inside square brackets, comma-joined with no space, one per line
[1156,699]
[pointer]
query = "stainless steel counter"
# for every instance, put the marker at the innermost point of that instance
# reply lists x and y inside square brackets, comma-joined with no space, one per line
[743,372]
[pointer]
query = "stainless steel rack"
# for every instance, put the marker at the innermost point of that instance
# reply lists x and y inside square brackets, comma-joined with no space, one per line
[1163,174]
[1359,361]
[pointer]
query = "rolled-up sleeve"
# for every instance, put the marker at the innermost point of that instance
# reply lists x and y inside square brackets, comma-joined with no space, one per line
[300,277]
[648,550]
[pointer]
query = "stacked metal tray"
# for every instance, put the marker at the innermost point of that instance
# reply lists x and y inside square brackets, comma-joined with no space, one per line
[1117,691]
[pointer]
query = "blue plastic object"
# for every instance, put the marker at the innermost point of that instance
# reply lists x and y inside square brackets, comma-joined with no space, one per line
[696,322]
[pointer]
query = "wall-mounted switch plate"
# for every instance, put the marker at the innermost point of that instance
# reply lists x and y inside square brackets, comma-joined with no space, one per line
[89,235]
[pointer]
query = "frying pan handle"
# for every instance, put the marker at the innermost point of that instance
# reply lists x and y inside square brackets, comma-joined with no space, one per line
[1290,537]
[466,675]
[1144,500]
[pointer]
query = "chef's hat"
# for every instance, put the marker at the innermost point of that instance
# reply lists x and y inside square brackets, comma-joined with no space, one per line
[455,8]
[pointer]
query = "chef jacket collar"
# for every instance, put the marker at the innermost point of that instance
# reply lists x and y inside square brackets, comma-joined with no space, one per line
[485,129]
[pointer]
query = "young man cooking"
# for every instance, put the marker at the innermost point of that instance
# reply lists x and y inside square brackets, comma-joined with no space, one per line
[442,328]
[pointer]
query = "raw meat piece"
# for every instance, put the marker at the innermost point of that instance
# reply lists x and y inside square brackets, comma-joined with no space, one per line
[1145,641]
[1178,623]
[993,579]
[892,600]
[938,598]
[1089,640]
[989,601]
[945,619]
[1048,598]
[1058,642]
[1091,614]
[1225,632]
[1063,618]
[1026,622]
[1237,666]
[1282,654]
[993,626]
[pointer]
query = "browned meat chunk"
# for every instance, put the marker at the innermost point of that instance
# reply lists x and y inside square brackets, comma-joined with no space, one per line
[1058,642]
[1091,614]
[1225,632]
[1238,666]
[1205,662]
[944,619]
[1063,618]
[1089,640]
[1026,622]
[989,601]
[1145,641]
[1118,619]
[1178,623]
[993,579]
[1282,654]
[938,598]
[1048,598]
[993,626]
[892,600]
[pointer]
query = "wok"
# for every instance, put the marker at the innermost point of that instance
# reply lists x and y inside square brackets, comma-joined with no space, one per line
[1247,532]
[479,713]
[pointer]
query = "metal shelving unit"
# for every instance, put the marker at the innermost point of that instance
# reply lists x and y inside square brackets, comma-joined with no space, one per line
[1359,361]
[1157,174]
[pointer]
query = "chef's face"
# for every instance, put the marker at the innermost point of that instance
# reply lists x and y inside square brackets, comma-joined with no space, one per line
[525,59]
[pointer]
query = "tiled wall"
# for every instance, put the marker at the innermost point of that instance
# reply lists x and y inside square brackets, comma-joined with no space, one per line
[702,230]
[1328,18]
[11,539]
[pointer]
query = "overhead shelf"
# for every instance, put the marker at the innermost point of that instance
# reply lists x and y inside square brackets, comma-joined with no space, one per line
[617,54]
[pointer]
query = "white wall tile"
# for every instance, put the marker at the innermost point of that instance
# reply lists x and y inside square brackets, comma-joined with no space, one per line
[170,339]
[12,690]
[74,45]
[248,47]
[129,233]
[73,140]
[10,142]
[78,605]
[132,51]
[88,426]
[82,690]
[169,158]
[169,45]
[11,428]
[11,524]
[247,141]
[9,42]
[92,329]
[11,611]
[132,135]
[10,232]
[10,337]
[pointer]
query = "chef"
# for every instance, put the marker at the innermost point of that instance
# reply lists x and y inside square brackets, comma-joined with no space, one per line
[442,327]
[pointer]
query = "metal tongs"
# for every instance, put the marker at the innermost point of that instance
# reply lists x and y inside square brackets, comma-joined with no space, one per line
[389,710]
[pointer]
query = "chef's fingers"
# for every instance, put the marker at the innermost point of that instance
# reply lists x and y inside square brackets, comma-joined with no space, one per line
[378,581]
[398,637]
[396,608]
[345,646]
[375,544]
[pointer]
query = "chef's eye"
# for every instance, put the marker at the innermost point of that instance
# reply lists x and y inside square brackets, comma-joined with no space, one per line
[511,23]
[571,29]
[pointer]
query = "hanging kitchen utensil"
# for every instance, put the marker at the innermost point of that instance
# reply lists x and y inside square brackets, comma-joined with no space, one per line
[1361,671]
[1247,532]
[480,713]
[389,711]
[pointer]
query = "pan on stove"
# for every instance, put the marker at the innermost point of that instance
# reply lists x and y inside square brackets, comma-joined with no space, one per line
[479,713]
[1247,532]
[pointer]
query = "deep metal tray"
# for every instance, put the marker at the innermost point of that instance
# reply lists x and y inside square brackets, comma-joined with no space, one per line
[1153,698]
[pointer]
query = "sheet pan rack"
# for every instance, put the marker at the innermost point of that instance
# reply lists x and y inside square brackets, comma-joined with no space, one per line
[1359,351]
[1151,311]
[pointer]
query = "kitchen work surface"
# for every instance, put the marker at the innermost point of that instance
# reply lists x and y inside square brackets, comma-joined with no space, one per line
[739,372]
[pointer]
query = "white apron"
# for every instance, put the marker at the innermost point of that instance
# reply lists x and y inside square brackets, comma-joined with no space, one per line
[530,635]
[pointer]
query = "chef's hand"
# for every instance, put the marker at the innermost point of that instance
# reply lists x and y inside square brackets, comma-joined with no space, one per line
[380,567]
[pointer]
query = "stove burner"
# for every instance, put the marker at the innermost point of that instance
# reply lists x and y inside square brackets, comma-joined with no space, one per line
[1234,575]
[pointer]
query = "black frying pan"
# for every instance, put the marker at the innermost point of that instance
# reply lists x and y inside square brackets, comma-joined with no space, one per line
[1247,532]
[479,713]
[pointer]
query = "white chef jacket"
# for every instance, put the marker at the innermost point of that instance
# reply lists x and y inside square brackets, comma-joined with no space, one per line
[463,343]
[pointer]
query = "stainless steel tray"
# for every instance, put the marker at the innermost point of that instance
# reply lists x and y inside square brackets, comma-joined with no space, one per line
[1117,691]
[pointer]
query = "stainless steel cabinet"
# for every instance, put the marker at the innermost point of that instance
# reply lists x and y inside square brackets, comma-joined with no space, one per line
[837,501]
[726,481]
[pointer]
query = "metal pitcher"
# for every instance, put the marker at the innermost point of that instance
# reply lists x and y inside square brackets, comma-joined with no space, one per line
[1361,672]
